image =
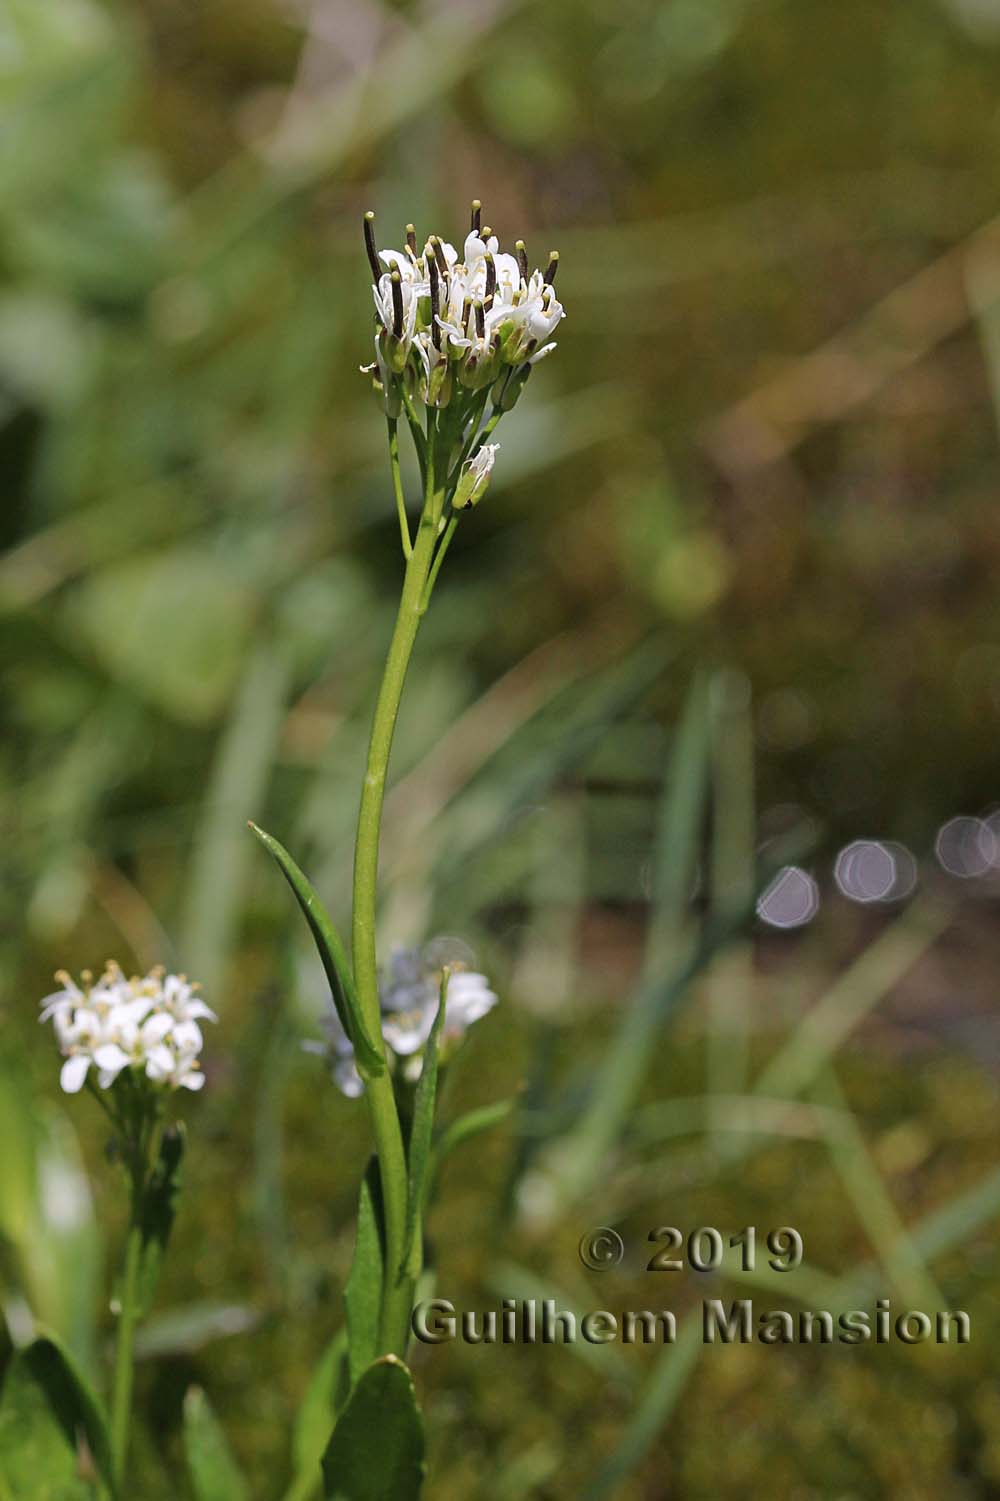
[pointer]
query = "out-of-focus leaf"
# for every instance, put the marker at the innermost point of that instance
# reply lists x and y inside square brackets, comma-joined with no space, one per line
[324,1399]
[363,1292]
[172,626]
[53,1433]
[215,1475]
[377,1448]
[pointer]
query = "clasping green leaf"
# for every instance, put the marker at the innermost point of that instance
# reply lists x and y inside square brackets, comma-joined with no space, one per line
[368,1054]
[377,1448]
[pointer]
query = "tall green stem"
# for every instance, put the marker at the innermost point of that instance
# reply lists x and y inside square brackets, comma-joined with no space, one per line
[379,1092]
[121,1403]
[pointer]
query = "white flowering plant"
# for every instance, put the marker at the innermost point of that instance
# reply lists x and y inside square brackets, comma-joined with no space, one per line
[457,335]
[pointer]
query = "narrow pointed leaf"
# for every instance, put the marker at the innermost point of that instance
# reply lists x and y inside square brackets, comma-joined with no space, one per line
[363,1292]
[53,1432]
[423,1127]
[324,1399]
[466,1128]
[215,1475]
[370,1057]
[377,1448]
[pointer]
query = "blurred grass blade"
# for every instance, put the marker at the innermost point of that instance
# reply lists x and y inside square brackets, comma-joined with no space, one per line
[733,878]
[371,1058]
[215,1475]
[53,1431]
[620,1076]
[377,1448]
[509,1279]
[674,1368]
[422,1130]
[851,997]
[865,1186]
[363,1291]
[237,784]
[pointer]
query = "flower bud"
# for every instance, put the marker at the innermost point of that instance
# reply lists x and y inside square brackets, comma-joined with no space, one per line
[475,478]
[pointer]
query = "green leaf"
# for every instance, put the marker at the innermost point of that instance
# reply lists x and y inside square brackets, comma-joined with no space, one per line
[370,1057]
[422,1128]
[215,1475]
[466,1128]
[363,1292]
[53,1433]
[324,1399]
[377,1448]
[156,1214]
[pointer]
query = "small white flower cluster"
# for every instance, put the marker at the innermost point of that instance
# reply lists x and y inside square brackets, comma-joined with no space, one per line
[409,996]
[446,322]
[113,1023]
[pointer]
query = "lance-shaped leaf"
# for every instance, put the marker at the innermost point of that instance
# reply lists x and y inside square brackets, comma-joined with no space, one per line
[325,1398]
[423,1127]
[377,1448]
[369,1055]
[53,1432]
[215,1475]
[363,1292]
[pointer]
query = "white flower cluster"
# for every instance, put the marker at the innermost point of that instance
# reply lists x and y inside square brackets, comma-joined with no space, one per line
[112,1023]
[409,996]
[446,322]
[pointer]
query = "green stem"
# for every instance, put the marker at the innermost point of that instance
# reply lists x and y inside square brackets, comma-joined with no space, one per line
[121,1403]
[438,560]
[379,1092]
[397,485]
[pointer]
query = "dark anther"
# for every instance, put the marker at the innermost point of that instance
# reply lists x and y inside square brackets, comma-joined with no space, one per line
[396,282]
[491,281]
[411,237]
[435,302]
[466,313]
[370,245]
[552,267]
[477,210]
[480,320]
[522,258]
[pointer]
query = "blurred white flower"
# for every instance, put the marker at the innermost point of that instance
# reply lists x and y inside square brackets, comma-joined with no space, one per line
[409,991]
[147,1024]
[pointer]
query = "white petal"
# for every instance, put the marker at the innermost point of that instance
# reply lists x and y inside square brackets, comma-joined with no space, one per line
[155,1028]
[196,1008]
[194,1080]
[187,1037]
[160,1061]
[110,1059]
[73,1072]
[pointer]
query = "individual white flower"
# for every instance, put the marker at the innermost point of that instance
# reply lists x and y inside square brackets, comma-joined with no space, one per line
[180,998]
[475,477]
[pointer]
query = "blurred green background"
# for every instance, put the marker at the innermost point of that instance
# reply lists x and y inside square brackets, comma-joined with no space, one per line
[763,462]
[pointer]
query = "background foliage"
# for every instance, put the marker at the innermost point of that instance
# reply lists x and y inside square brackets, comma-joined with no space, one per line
[766,451]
